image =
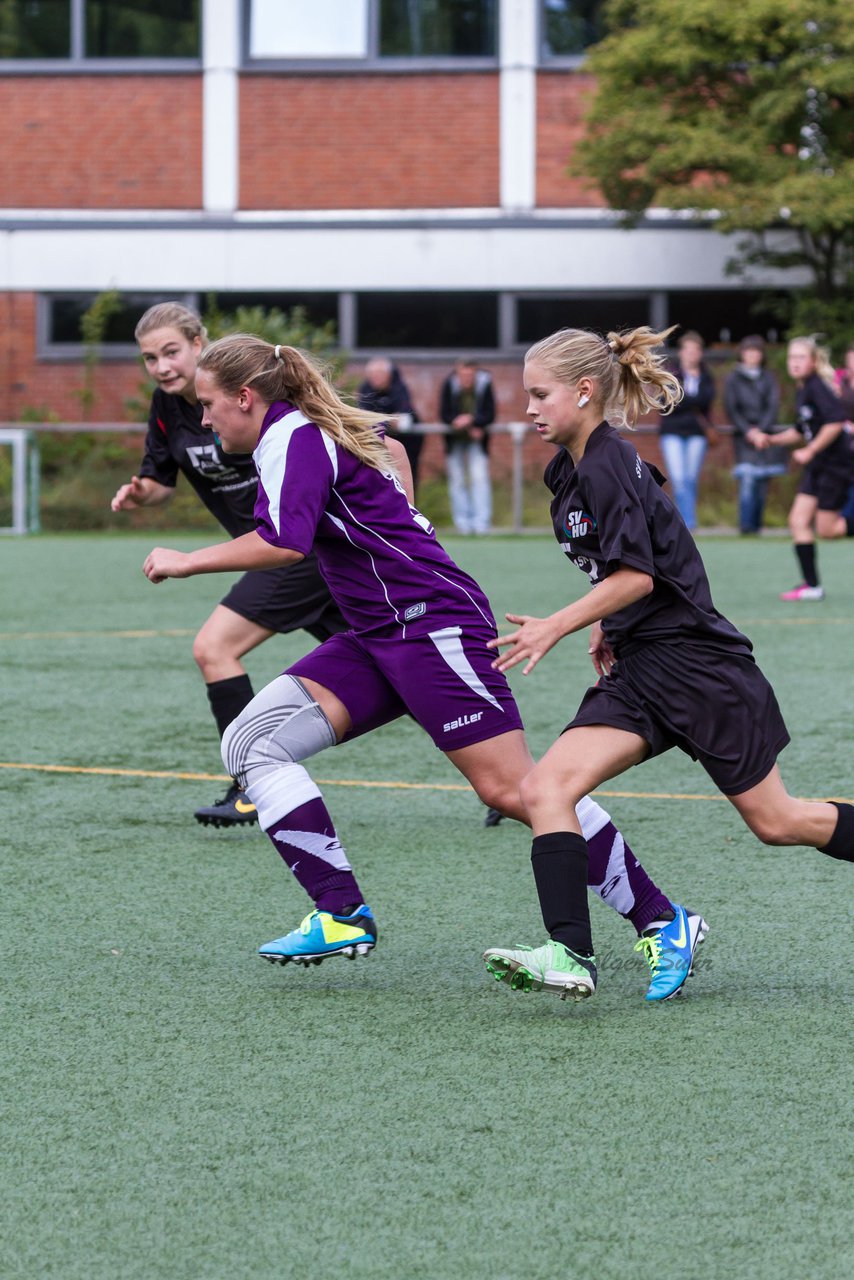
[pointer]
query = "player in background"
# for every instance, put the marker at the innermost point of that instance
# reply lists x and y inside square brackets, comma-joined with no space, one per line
[825,451]
[418,643]
[673,671]
[274,600]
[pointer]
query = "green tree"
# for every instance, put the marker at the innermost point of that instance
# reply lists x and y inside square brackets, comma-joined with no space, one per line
[93,328]
[739,112]
[290,328]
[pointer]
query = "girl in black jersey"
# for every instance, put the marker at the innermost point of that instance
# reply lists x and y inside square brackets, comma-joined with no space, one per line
[825,452]
[261,603]
[673,671]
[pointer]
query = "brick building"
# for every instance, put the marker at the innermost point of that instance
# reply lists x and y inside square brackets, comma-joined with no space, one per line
[398,168]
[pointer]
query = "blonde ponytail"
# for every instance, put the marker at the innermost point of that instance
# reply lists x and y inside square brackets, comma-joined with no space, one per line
[628,366]
[285,373]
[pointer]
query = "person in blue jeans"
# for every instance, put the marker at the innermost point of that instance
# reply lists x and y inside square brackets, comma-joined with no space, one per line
[752,400]
[685,433]
[467,407]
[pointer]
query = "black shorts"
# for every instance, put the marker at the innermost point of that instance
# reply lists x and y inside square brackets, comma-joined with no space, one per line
[286,599]
[828,485]
[715,706]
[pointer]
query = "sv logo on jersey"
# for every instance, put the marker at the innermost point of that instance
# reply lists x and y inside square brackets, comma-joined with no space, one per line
[578,524]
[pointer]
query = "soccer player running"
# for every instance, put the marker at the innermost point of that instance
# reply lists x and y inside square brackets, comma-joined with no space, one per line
[824,450]
[273,600]
[418,642]
[673,671]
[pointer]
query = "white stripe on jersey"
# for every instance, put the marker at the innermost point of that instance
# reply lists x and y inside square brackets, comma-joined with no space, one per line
[417,518]
[450,647]
[271,456]
[336,520]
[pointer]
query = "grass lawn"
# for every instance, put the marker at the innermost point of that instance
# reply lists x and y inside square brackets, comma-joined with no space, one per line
[175,1109]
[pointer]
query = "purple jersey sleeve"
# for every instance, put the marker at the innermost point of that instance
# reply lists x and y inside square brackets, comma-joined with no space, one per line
[297,467]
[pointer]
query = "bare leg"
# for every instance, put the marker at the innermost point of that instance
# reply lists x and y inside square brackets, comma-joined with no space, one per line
[780,819]
[223,640]
[580,761]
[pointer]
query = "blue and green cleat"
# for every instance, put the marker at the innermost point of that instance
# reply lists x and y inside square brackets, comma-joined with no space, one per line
[669,952]
[323,934]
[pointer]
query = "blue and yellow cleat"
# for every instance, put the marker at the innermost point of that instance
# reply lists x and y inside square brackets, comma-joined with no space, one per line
[323,934]
[669,952]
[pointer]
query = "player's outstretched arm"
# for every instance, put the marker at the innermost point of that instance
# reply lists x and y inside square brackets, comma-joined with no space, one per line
[249,551]
[138,492]
[537,635]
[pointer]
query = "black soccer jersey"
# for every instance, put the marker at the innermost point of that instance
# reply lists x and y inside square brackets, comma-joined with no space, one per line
[177,441]
[816,405]
[611,511]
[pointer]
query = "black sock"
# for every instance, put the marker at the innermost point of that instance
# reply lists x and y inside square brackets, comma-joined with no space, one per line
[849,525]
[559,860]
[841,843]
[228,698]
[805,551]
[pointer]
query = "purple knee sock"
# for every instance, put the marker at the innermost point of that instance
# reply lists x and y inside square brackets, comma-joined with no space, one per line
[306,839]
[615,874]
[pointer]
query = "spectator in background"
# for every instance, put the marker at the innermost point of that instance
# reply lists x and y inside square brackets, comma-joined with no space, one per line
[384,391]
[686,432]
[844,380]
[845,390]
[752,400]
[467,406]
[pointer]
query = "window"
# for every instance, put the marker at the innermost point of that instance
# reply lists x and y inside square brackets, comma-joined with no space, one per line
[570,26]
[538,316]
[35,29]
[438,29]
[60,315]
[728,315]
[431,320]
[371,30]
[294,29]
[75,30]
[320,308]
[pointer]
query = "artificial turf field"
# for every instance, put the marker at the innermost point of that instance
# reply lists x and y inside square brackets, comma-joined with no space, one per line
[175,1109]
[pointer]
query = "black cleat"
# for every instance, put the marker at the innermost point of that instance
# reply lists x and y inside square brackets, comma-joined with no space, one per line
[493,817]
[235,809]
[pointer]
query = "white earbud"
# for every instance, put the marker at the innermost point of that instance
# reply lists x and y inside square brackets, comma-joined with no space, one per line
[583,401]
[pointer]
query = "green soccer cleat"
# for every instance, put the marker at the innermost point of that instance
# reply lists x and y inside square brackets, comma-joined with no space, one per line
[552,967]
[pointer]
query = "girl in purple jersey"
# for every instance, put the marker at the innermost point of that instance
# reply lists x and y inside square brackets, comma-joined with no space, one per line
[259,605]
[418,643]
[674,671]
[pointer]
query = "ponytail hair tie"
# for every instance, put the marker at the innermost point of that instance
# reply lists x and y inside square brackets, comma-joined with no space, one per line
[278,353]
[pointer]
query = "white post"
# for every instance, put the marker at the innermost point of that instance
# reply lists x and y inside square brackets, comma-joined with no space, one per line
[18,438]
[220,105]
[518,24]
[518,432]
